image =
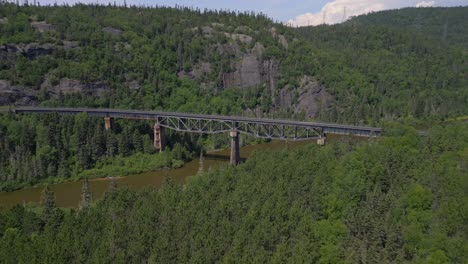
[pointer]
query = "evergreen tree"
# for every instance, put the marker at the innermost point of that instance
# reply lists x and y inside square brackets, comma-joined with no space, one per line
[85,195]
[113,184]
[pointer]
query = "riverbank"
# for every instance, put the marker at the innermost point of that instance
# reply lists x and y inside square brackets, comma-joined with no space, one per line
[68,193]
[110,167]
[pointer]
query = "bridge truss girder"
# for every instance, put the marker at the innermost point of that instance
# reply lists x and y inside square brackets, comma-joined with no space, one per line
[256,129]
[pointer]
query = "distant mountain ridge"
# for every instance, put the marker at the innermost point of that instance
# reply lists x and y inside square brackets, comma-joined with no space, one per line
[445,23]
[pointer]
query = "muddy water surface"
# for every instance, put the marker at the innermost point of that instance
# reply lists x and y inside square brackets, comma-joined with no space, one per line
[68,193]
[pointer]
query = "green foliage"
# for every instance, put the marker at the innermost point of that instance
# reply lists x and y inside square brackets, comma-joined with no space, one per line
[40,149]
[448,24]
[388,200]
[408,63]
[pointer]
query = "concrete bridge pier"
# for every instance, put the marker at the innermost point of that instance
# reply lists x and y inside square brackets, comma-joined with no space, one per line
[108,122]
[322,140]
[235,150]
[159,141]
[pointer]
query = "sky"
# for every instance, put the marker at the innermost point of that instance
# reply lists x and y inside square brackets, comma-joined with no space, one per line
[293,12]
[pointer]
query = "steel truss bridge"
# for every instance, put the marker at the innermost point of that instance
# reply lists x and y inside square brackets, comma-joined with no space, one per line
[209,124]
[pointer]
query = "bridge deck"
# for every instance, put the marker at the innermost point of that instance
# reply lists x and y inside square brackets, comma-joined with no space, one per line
[230,122]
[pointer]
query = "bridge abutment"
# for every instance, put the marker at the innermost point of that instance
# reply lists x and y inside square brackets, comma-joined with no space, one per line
[159,141]
[235,150]
[322,141]
[108,123]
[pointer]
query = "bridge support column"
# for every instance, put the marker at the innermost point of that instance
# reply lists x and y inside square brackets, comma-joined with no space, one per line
[322,141]
[235,151]
[159,137]
[108,122]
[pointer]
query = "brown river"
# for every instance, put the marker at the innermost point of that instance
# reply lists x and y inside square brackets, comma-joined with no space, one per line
[68,194]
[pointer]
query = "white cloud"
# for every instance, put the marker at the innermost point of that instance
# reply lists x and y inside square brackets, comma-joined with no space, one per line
[337,11]
[425,4]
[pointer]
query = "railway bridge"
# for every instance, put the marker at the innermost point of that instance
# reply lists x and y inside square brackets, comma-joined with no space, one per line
[209,124]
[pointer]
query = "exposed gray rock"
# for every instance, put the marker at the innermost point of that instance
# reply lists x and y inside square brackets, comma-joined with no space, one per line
[273,32]
[312,97]
[217,25]
[243,29]
[199,71]
[207,30]
[250,70]
[12,95]
[248,73]
[31,50]
[133,85]
[231,49]
[271,71]
[185,75]
[122,46]
[246,39]
[43,26]
[68,86]
[70,44]
[258,50]
[113,31]
[283,41]
[4,20]
[8,52]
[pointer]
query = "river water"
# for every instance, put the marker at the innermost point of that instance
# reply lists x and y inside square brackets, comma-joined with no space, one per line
[68,194]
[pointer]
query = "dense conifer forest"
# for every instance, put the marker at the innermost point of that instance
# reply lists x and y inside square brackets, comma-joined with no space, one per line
[396,199]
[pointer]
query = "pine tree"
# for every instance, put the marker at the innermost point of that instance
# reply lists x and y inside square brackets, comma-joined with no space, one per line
[200,165]
[85,195]
[49,206]
[113,184]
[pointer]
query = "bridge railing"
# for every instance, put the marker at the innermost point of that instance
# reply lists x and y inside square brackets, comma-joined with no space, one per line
[199,123]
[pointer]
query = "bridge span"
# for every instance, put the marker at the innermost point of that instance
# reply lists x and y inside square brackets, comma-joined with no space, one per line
[206,124]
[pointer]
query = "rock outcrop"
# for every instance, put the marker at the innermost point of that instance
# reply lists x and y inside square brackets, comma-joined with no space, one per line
[43,26]
[246,39]
[70,44]
[251,70]
[198,72]
[69,86]
[113,31]
[16,95]
[31,50]
[310,98]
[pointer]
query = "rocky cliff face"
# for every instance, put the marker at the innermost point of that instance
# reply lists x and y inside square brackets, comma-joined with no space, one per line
[26,95]
[310,98]
[69,86]
[16,95]
[248,69]
[30,51]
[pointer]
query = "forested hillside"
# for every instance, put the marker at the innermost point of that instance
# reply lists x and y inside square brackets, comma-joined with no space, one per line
[448,24]
[234,63]
[365,71]
[397,199]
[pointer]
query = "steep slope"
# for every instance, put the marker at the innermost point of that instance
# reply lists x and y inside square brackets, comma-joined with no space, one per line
[225,62]
[445,23]
[378,72]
